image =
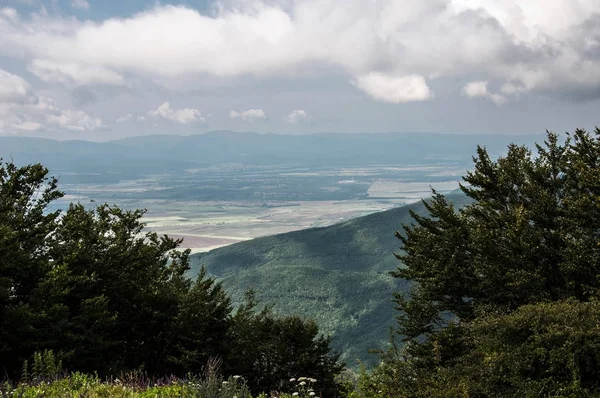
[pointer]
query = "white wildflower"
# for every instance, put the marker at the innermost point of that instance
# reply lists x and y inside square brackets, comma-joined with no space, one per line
[295,394]
[302,383]
[312,393]
[292,380]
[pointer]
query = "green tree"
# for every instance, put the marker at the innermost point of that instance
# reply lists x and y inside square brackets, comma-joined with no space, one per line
[147,313]
[90,289]
[269,350]
[198,332]
[96,289]
[25,224]
[520,241]
[531,235]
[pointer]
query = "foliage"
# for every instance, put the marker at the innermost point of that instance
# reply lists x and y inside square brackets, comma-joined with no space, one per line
[81,385]
[530,235]
[91,290]
[268,350]
[504,299]
[44,366]
[336,275]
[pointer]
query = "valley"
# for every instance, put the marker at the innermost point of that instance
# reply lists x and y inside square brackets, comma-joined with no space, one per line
[220,205]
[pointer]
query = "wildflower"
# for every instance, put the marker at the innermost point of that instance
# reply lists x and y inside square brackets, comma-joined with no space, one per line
[292,380]
[225,382]
[236,377]
[302,383]
[295,394]
[313,380]
[312,393]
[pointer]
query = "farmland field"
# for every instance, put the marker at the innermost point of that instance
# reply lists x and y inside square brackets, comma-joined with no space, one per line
[220,205]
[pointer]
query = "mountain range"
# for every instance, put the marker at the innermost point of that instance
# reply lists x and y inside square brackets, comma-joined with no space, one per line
[133,157]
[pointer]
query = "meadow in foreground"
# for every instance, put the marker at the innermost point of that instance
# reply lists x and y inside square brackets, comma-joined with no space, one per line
[136,385]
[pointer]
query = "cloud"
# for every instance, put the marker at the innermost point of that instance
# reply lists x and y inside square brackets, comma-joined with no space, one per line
[183,116]
[15,90]
[297,116]
[249,115]
[539,46]
[27,126]
[21,109]
[80,4]
[124,118]
[75,120]
[74,73]
[394,89]
[478,89]
[10,14]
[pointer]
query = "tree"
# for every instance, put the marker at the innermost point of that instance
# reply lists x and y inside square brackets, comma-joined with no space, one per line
[531,235]
[519,242]
[96,289]
[100,294]
[25,224]
[269,350]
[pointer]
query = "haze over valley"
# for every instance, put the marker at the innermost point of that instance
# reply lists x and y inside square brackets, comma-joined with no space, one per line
[222,187]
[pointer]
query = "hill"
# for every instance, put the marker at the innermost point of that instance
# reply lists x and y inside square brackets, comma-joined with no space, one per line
[337,275]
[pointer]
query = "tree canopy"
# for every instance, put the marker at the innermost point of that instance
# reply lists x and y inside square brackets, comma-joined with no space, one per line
[498,283]
[92,286]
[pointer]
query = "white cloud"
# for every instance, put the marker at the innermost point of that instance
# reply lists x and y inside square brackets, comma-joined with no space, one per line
[27,126]
[74,73]
[545,46]
[81,4]
[297,116]
[249,115]
[183,116]
[479,89]
[394,89]
[124,118]
[10,14]
[21,109]
[15,90]
[75,120]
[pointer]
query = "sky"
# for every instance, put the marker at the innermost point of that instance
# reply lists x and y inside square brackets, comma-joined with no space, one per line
[106,69]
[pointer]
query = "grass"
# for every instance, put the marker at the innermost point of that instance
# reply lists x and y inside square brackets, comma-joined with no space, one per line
[79,385]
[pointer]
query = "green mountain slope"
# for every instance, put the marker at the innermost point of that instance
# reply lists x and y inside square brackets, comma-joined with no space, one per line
[337,275]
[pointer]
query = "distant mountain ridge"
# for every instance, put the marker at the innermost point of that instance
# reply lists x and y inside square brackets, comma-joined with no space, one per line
[132,157]
[337,275]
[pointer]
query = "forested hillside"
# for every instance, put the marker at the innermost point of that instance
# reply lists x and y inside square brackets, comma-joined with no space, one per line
[336,275]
